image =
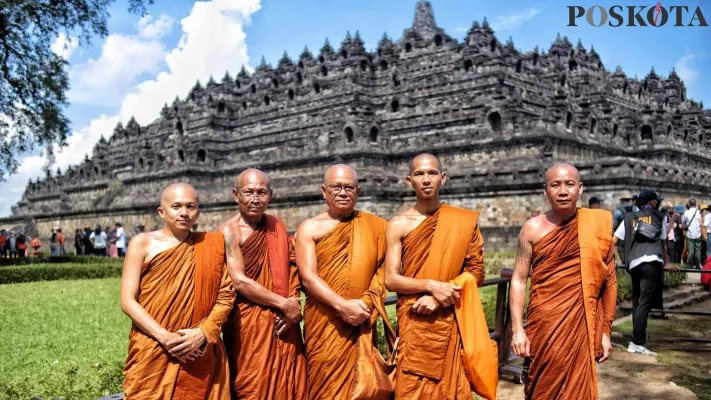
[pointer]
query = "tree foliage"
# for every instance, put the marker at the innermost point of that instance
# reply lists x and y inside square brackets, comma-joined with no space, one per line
[33,79]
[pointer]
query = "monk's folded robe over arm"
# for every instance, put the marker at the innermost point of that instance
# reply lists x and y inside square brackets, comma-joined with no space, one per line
[350,260]
[261,365]
[446,246]
[184,287]
[573,291]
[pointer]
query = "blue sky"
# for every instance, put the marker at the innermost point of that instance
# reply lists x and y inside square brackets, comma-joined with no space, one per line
[146,62]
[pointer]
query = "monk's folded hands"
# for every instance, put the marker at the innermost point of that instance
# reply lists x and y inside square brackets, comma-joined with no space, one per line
[292,309]
[352,311]
[445,293]
[189,341]
[425,305]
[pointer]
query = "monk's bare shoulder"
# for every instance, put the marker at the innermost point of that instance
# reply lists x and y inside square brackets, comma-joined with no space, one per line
[231,224]
[144,246]
[230,230]
[397,226]
[308,227]
[140,242]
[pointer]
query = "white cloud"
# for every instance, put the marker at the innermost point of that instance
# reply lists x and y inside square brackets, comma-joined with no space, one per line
[124,58]
[685,70]
[64,45]
[212,41]
[151,28]
[513,21]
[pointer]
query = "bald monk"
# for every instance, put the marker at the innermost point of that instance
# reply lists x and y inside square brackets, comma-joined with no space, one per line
[569,255]
[339,254]
[176,290]
[262,335]
[430,245]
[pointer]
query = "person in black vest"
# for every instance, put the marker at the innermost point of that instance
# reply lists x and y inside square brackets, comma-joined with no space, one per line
[645,234]
[618,216]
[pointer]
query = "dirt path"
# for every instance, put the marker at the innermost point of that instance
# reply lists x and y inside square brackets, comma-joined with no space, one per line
[623,374]
[628,376]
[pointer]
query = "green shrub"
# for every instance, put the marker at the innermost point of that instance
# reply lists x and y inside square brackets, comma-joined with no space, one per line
[52,272]
[624,283]
[69,258]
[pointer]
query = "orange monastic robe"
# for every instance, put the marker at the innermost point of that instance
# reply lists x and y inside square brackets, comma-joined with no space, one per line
[430,354]
[350,259]
[261,366]
[573,296]
[186,286]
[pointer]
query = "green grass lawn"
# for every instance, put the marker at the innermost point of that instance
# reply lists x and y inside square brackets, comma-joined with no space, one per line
[68,339]
[63,339]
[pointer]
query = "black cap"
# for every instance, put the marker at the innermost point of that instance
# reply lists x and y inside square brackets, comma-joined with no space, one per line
[594,200]
[647,195]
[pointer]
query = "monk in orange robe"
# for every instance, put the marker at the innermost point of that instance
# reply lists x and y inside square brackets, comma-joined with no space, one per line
[339,255]
[262,335]
[570,256]
[434,255]
[176,290]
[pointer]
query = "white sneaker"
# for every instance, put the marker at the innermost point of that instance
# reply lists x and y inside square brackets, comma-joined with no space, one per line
[634,348]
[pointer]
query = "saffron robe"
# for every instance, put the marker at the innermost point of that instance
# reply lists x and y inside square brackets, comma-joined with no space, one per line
[186,286]
[572,303]
[350,260]
[261,366]
[431,361]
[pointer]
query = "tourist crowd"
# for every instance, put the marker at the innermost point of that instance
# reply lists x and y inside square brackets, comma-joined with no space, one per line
[97,241]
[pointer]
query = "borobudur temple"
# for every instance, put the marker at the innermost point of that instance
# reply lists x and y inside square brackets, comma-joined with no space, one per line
[496,117]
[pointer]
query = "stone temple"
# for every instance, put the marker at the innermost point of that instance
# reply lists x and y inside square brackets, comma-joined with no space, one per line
[496,117]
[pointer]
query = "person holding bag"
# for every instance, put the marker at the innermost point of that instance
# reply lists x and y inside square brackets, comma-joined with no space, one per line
[645,236]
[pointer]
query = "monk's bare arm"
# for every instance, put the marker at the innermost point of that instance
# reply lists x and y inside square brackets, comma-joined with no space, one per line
[130,284]
[517,296]
[242,284]
[306,263]
[394,281]
[609,297]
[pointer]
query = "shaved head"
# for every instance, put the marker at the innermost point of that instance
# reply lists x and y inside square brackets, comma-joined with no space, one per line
[169,192]
[253,175]
[340,171]
[179,207]
[559,168]
[425,156]
[563,189]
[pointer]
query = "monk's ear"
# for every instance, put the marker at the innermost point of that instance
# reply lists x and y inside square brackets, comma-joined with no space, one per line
[160,212]
[324,190]
[408,180]
[235,195]
[444,178]
[580,191]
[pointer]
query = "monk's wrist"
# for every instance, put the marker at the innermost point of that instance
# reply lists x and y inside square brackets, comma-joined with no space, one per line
[162,337]
[338,304]
[281,304]
[430,285]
